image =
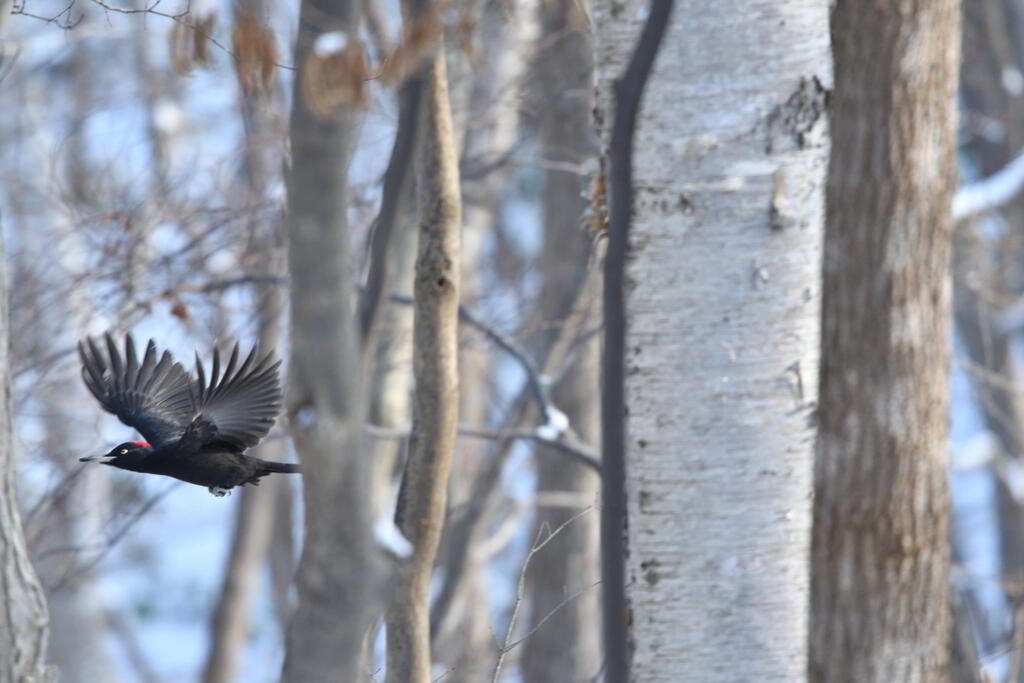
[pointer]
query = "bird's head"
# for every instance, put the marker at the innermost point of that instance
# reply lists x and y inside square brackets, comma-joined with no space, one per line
[127,455]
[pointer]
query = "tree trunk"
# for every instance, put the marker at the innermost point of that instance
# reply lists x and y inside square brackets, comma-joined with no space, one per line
[880,587]
[435,367]
[565,646]
[340,575]
[464,641]
[254,521]
[24,620]
[256,508]
[722,335]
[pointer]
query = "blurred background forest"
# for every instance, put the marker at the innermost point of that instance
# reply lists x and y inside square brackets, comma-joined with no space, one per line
[143,151]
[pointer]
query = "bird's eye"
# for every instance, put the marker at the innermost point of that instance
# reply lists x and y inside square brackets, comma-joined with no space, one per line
[124,451]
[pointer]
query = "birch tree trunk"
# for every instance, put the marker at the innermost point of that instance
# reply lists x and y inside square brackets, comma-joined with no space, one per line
[340,574]
[722,337]
[23,617]
[880,592]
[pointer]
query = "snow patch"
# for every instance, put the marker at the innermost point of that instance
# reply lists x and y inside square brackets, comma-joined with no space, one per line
[987,194]
[1013,80]
[556,425]
[327,44]
[391,538]
[168,117]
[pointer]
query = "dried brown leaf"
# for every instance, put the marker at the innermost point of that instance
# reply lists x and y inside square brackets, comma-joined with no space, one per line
[180,310]
[417,42]
[331,81]
[189,44]
[255,55]
[201,32]
[178,44]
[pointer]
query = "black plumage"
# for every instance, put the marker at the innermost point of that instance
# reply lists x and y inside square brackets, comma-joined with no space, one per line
[196,429]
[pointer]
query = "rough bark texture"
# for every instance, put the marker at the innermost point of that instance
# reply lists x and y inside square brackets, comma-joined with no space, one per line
[340,574]
[880,591]
[435,366]
[23,615]
[722,334]
[566,646]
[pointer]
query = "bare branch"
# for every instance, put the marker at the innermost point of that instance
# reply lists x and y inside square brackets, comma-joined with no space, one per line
[394,182]
[61,19]
[579,453]
[104,547]
[537,386]
[538,545]
[990,193]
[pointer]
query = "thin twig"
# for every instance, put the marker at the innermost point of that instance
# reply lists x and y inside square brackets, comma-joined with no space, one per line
[538,545]
[110,542]
[177,17]
[66,25]
[579,453]
[552,613]
[534,381]
[150,9]
[48,499]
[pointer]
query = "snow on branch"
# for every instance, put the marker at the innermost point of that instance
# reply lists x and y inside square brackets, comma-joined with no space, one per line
[991,192]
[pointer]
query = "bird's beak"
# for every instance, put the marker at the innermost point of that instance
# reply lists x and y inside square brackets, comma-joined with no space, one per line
[96,458]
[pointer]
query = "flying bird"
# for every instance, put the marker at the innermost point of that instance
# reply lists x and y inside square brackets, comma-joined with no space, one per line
[195,430]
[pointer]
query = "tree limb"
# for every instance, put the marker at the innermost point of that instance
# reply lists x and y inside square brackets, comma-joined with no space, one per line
[341,575]
[411,94]
[421,509]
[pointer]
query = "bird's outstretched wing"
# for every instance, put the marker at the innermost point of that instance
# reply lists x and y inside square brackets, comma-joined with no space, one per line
[153,397]
[239,407]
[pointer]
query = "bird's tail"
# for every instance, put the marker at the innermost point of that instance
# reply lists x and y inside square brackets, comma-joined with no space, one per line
[286,467]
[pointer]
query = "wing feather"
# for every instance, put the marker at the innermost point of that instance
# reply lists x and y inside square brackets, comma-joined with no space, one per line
[242,403]
[152,397]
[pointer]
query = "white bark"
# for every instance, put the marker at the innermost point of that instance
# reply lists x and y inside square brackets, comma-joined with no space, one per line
[23,615]
[723,336]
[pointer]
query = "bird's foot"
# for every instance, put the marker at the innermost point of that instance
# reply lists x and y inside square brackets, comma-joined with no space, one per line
[219,492]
